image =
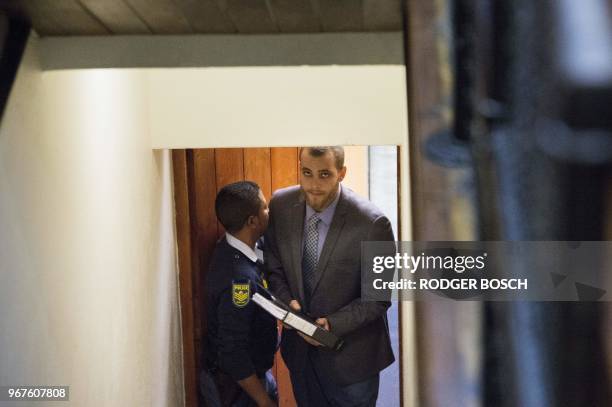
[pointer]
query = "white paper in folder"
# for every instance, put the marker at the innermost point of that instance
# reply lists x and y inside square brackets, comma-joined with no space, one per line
[281,314]
[292,319]
[274,310]
[300,324]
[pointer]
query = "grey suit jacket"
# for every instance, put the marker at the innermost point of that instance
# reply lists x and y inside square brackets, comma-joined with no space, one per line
[337,290]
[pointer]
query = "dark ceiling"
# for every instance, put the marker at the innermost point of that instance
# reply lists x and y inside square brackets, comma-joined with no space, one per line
[108,17]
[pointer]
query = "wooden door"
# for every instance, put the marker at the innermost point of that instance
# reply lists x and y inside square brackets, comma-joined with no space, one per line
[198,175]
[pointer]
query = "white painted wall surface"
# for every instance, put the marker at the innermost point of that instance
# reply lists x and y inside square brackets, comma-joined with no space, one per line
[88,284]
[277,106]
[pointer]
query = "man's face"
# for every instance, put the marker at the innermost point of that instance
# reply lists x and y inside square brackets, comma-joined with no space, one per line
[263,215]
[319,179]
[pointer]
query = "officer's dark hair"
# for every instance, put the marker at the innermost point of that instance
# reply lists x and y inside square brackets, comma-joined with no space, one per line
[319,151]
[235,203]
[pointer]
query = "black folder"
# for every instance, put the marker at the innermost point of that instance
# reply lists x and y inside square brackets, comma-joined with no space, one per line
[295,320]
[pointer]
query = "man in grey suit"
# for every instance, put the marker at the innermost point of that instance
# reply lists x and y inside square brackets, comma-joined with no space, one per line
[313,248]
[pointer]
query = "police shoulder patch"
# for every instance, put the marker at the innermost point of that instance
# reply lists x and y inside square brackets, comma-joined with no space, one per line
[241,292]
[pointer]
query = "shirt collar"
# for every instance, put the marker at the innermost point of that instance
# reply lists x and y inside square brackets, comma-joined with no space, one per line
[241,247]
[326,214]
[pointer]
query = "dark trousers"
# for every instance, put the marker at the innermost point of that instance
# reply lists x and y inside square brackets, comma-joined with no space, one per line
[312,389]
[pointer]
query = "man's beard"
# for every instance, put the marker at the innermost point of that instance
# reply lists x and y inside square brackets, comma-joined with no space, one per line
[320,202]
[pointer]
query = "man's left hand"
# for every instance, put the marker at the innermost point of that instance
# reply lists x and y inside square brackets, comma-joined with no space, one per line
[323,323]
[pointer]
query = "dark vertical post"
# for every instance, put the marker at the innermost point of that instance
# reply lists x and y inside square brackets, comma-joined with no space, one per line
[13,38]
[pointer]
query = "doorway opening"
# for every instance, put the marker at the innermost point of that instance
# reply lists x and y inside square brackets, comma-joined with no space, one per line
[198,175]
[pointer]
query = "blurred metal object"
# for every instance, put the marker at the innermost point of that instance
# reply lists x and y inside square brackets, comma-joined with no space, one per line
[589,147]
[551,154]
[532,111]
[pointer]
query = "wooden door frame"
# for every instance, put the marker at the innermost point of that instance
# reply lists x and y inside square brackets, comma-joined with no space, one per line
[184,225]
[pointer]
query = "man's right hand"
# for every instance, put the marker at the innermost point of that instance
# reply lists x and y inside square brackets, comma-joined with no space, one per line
[294,305]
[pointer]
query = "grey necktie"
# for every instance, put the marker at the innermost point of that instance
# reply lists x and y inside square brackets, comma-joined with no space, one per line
[310,257]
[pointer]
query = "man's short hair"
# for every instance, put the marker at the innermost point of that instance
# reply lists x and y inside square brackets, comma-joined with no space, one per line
[235,203]
[337,151]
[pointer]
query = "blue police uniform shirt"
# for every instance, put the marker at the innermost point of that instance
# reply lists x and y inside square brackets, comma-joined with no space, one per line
[242,337]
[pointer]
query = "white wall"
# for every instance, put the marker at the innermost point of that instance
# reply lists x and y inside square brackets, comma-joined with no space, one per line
[88,285]
[277,106]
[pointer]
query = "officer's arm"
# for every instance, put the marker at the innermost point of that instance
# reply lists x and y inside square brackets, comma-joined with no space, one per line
[234,357]
[272,260]
[255,389]
[234,330]
[359,313]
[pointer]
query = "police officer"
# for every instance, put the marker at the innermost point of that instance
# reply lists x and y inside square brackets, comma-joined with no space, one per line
[242,337]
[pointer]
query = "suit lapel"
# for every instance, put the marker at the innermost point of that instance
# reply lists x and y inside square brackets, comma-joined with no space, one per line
[330,241]
[297,236]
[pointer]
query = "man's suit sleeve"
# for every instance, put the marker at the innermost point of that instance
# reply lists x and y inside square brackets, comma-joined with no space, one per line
[272,260]
[359,313]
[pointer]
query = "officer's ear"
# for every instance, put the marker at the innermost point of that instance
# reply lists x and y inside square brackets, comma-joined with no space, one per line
[252,221]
